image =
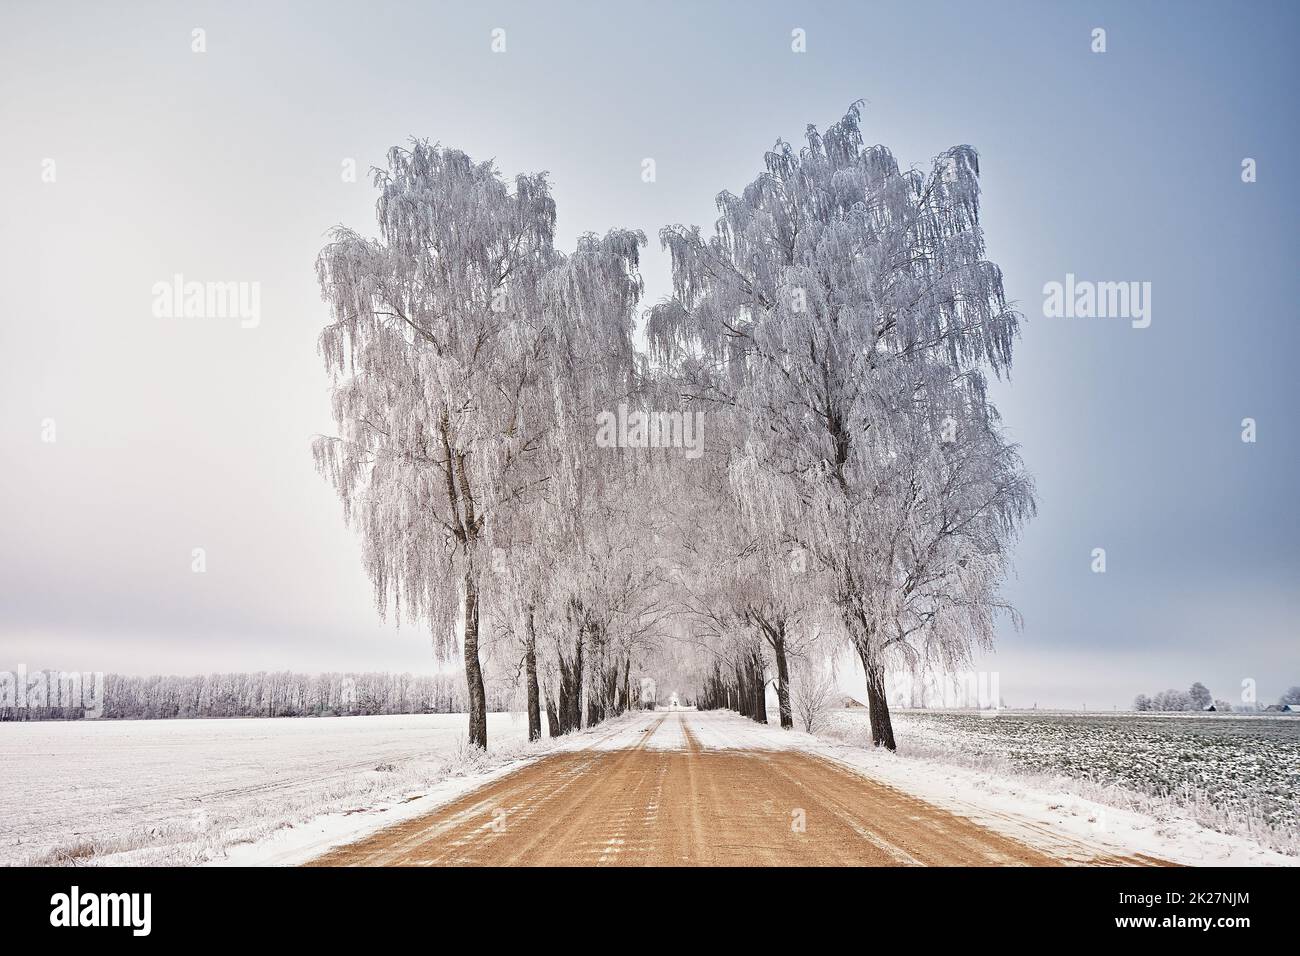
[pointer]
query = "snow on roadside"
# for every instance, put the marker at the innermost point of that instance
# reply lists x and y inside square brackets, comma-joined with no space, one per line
[724,730]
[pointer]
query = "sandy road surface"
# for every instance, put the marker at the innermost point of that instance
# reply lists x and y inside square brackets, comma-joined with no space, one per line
[655,795]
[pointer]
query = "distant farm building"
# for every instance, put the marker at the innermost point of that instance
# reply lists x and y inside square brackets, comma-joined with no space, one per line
[851,703]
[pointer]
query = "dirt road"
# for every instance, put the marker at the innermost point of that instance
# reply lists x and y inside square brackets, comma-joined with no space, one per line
[685,804]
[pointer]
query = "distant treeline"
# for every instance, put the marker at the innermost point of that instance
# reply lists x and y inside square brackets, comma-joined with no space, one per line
[267,694]
[1198,697]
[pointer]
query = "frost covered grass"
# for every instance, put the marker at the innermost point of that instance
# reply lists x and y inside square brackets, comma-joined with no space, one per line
[180,792]
[1236,775]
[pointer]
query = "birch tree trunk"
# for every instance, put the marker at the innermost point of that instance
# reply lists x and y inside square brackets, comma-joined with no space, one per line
[782,678]
[882,728]
[530,667]
[568,697]
[571,686]
[553,723]
[473,669]
[759,681]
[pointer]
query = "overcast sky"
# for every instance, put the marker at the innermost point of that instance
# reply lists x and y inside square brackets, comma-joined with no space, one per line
[174,434]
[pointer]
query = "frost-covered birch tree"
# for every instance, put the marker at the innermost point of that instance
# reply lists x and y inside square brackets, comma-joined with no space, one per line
[918,562]
[443,343]
[836,289]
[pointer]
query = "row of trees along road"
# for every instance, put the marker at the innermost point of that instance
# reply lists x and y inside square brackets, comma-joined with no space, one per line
[833,334]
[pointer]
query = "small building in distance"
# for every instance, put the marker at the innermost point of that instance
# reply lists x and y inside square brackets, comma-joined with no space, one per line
[851,703]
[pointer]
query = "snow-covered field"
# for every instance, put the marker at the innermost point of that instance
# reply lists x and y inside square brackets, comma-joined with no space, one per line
[1240,775]
[183,791]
